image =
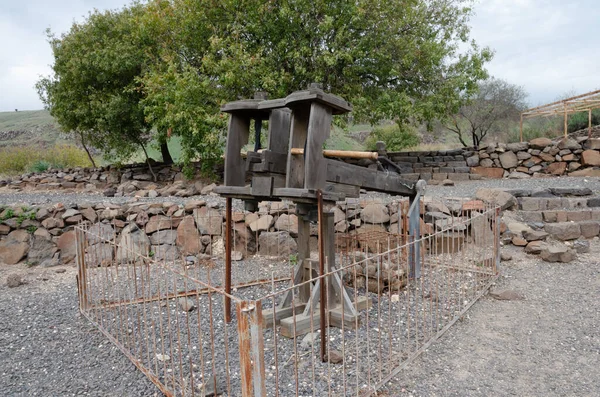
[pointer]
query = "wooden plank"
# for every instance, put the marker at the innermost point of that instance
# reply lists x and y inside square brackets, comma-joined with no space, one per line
[369,179]
[237,137]
[310,195]
[303,322]
[279,130]
[298,134]
[268,161]
[319,128]
[281,313]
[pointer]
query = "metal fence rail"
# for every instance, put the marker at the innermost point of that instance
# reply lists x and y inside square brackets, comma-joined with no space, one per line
[170,318]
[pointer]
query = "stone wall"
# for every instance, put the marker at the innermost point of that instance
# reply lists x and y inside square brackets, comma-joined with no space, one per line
[45,235]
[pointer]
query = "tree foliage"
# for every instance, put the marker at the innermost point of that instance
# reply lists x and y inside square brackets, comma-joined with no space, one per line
[94,90]
[170,64]
[487,111]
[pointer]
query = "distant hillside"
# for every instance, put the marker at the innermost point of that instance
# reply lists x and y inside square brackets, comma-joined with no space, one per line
[31,127]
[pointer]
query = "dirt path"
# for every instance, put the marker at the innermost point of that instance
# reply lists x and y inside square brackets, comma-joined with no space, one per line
[545,345]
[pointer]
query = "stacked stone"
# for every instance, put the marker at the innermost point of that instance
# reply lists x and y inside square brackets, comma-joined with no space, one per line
[435,166]
[45,235]
[538,157]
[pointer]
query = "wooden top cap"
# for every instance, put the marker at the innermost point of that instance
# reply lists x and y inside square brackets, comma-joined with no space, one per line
[314,93]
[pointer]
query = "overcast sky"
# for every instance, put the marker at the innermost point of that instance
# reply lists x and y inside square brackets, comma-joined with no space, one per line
[546,46]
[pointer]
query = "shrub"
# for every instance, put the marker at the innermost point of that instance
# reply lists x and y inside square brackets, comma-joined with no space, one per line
[396,137]
[580,121]
[39,166]
[28,158]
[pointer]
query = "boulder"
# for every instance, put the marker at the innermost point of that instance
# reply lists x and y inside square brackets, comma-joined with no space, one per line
[69,213]
[279,244]
[188,237]
[563,230]
[375,213]
[517,146]
[51,223]
[540,143]
[41,250]
[581,246]
[67,245]
[133,244]
[208,221]
[557,252]
[534,235]
[163,237]
[558,168]
[14,247]
[288,223]
[160,222]
[100,232]
[473,161]
[568,143]
[263,223]
[164,252]
[89,214]
[99,255]
[492,173]
[496,197]
[590,158]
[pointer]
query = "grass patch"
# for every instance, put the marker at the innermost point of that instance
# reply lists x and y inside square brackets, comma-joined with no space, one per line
[18,160]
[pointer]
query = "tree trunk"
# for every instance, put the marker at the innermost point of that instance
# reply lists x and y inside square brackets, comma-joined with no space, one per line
[475,140]
[87,150]
[166,155]
[148,161]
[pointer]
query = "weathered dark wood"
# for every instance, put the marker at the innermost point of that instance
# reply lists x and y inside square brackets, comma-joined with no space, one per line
[262,186]
[281,313]
[237,137]
[306,195]
[267,161]
[298,135]
[315,165]
[316,95]
[279,130]
[393,183]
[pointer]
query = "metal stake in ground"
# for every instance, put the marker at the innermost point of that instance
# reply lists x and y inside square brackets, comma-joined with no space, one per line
[323,291]
[227,259]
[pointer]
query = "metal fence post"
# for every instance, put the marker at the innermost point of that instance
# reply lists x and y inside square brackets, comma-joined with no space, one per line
[414,231]
[81,268]
[252,362]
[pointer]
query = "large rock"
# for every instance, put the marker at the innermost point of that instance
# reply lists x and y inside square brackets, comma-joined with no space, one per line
[262,224]
[163,237]
[208,221]
[188,237]
[244,240]
[540,143]
[375,213]
[100,232]
[473,161]
[563,230]
[41,250]
[590,158]
[557,168]
[557,252]
[51,223]
[67,245]
[517,146]
[568,143]
[133,244]
[287,223]
[164,252]
[509,160]
[14,247]
[496,197]
[160,222]
[279,244]
[492,173]
[99,255]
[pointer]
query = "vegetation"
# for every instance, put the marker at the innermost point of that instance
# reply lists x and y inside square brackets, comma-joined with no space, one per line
[396,137]
[489,111]
[30,158]
[143,75]
[580,121]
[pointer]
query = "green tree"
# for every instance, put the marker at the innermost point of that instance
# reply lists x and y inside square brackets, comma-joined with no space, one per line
[487,111]
[94,90]
[396,60]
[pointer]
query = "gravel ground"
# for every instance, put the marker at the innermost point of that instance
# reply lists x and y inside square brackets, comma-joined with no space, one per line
[545,345]
[548,344]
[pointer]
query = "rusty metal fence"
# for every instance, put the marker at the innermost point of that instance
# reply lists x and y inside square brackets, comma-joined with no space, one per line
[169,315]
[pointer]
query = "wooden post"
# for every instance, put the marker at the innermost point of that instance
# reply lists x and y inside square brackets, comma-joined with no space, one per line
[521,127]
[566,120]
